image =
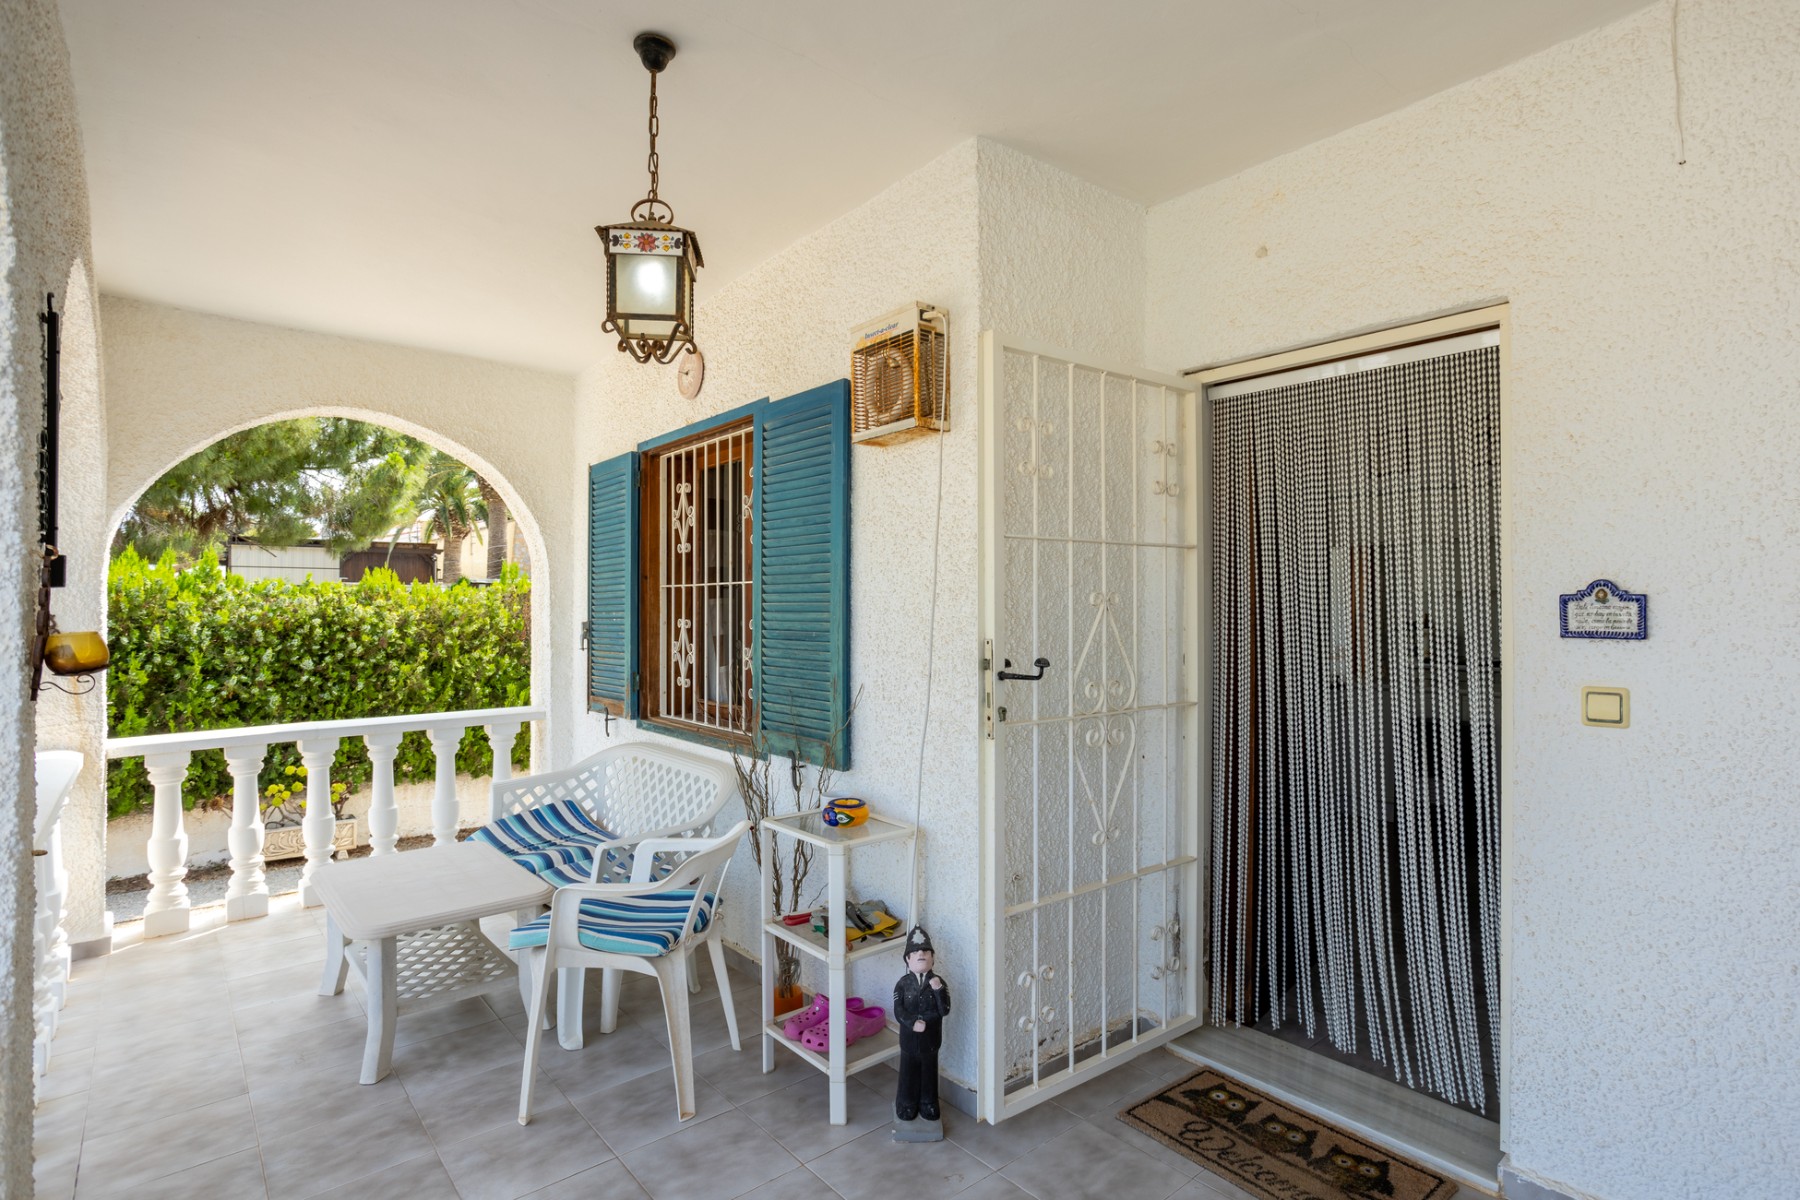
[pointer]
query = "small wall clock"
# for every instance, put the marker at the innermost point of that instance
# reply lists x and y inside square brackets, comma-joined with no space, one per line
[691,373]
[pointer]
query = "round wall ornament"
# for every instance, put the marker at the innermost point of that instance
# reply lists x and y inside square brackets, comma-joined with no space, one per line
[691,373]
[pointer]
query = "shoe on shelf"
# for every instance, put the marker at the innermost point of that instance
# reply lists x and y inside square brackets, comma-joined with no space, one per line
[860,1020]
[807,1017]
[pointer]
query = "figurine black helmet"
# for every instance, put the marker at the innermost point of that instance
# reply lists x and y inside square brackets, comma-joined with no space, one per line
[918,939]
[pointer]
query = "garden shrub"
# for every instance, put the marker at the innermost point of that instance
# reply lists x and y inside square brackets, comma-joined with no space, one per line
[203,649]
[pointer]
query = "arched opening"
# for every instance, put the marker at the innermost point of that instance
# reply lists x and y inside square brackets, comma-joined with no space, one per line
[415,805]
[517,508]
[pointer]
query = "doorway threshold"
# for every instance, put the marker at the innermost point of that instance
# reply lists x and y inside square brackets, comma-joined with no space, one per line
[1440,1136]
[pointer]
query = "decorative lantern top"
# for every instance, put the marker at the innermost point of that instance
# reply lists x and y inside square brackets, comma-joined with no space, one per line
[650,261]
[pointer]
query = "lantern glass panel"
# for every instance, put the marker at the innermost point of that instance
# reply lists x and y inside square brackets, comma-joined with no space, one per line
[646,283]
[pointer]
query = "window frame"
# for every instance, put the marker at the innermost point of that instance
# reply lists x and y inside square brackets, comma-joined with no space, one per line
[652,529]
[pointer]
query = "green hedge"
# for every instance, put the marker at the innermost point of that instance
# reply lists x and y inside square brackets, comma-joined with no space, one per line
[202,649]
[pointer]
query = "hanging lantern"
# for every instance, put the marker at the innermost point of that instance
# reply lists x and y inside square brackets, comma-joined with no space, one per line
[650,261]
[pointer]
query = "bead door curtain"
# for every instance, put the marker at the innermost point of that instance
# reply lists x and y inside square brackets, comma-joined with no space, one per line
[1355,786]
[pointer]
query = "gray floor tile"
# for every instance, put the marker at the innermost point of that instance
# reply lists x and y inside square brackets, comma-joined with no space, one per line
[998,1145]
[239,1176]
[1137,1139]
[605,1061]
[459,1106]
[441,1020]
[511,1160]
[307,1098]
[1105,1094]
[421,1178]
[465,1052]
[1081,1163]
[299,1162]
[117,1101]
[174,1141]
[608,1181]
[876,1167]
[739,1075]
[715,1159]
[799,1116]
[643,1109]
[996,1187]
[69,1073]
[795,1185]
[1207,1186]
[53,1171]
[307,1010]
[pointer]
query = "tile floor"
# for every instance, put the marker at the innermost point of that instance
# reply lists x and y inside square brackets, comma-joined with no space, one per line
[205,1067]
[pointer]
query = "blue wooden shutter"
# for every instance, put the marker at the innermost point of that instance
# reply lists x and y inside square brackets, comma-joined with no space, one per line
[613,585]
[802,587]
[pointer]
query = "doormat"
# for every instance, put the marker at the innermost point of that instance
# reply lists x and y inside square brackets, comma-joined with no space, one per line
[1273,1151]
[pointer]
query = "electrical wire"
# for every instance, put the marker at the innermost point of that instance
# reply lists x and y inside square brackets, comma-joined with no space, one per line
[1675,69]
[937,528]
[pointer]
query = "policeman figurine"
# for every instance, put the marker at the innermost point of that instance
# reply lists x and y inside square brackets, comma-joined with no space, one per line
[921,1002]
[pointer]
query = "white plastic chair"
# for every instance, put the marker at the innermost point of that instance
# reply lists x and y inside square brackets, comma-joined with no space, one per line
[649,927]
[638,791]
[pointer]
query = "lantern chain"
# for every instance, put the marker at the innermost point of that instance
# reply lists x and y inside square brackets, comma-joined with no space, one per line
[655,128]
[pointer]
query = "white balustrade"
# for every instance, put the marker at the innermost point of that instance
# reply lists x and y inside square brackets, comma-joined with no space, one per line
[166,757]
[248,895]
[443,798]
[500,735]
[384,817]
[166,911]
[319,827]
[56,771]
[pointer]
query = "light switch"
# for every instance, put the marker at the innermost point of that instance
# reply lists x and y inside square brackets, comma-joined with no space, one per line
[1609,707]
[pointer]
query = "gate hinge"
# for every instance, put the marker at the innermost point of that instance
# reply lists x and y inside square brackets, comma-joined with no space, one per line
[987,688]
[587,628]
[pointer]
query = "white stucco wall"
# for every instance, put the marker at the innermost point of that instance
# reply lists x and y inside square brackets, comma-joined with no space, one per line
[43,248]
[1653,439]
[177,380]
[779,329]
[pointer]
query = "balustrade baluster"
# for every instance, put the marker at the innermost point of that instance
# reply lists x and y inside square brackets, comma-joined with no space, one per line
[501,735]
[384,814]
[443,800]
[248,894]
[166,911]
[319,826]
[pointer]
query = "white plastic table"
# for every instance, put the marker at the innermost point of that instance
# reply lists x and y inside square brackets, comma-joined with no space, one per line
[411,926]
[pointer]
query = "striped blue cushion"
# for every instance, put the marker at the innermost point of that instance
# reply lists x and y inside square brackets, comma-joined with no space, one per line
[643,925]
[554,840]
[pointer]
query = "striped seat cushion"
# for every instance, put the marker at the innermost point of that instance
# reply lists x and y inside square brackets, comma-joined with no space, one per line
[555,840]
[643,925]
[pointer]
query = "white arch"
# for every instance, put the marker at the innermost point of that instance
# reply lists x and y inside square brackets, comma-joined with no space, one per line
[517,508]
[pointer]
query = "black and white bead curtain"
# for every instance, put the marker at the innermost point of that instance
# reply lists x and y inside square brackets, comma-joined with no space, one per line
[1355,788]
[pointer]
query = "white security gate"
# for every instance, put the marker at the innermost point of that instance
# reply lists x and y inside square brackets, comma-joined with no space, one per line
[1091,816]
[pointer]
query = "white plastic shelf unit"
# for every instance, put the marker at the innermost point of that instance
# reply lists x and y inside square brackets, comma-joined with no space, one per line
[841,1061]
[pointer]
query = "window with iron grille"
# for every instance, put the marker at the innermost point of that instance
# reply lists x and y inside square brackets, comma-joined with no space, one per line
[719,579]
[695,588]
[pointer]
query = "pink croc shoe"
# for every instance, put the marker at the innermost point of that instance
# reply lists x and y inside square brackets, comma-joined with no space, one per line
[811,1015]
[862,1021]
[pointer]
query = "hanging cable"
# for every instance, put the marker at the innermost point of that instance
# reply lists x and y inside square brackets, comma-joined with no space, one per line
[1675,70]
[912,898]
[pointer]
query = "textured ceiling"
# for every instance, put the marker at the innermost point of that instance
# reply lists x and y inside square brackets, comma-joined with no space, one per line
[428,172]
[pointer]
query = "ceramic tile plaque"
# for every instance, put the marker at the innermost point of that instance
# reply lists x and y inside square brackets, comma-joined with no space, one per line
[1605,610]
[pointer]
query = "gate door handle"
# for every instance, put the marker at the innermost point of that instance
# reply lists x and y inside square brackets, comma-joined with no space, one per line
[1040,664]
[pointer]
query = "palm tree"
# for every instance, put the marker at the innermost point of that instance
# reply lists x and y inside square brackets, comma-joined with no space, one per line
[496,526]
[452,504]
